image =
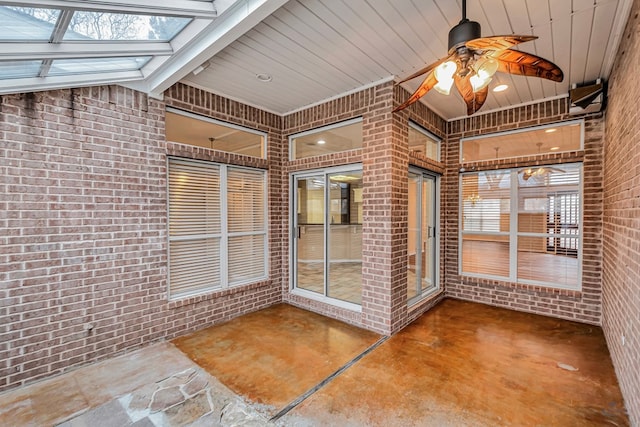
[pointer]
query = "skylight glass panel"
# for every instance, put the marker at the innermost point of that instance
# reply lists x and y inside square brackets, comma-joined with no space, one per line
[27,23]
[61,67]
[86,25]
[19,69]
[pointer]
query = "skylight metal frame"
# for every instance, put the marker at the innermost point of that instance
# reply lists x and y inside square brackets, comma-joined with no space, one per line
[214,25]
[177,8]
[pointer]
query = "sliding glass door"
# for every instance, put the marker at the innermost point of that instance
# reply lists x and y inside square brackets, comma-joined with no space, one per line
[327,235]
[422,239]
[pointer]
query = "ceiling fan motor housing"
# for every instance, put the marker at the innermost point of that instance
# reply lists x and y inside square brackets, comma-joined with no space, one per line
[463,32]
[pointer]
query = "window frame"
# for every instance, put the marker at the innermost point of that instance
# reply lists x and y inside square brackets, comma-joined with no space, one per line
[319,130]
[523,130]
[514,234]
[430,135]
[211,120]
[225,234]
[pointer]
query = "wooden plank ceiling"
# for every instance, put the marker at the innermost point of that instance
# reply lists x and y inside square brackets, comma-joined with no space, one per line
[315,50]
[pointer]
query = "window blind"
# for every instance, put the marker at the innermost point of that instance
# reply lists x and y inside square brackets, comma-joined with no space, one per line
[204,252]
[247,224]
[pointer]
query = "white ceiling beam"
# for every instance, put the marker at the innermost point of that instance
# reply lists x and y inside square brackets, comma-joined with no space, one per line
[36,84]
[184,8]
[232,24]
[33,51]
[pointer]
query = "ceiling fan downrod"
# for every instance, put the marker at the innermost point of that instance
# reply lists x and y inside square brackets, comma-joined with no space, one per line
[463,32]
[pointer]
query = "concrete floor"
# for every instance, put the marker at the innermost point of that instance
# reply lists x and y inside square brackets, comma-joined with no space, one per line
[273,356]
[459,364]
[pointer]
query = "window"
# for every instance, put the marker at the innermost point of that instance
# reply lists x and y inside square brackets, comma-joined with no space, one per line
[547,139]
[335,138]
[217,226]
[191,129]
[523,225]
[424,142]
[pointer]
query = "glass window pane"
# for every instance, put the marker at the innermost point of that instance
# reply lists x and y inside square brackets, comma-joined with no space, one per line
[549,198]
[485,255]
[331,139]
[423,142]
[88,25]
[27,23]
[19,69]
[548,232]
[246,258]
[528,142]
[310,249]
[194,199]
[62,67]
[539,264]
[194,266]
[245,200]
[345,237]
[186,128]
[486,201]
[413,244]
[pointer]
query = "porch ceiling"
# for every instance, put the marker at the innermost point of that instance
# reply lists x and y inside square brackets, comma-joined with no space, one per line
[318,49]
[315,50]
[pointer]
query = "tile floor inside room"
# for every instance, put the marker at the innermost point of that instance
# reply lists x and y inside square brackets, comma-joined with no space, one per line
[459,364]
[345,280]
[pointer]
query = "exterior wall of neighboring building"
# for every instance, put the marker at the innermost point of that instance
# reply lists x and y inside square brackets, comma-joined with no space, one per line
[621,259]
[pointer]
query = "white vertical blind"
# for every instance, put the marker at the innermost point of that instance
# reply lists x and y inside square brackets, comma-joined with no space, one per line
[197,239]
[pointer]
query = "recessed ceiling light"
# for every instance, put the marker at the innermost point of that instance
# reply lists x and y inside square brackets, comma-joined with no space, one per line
[500,88]
[551,130]
[554,148]
[322,141]
[264,77]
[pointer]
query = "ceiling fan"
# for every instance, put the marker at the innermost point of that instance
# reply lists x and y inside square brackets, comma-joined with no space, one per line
[539,172]
[472,62]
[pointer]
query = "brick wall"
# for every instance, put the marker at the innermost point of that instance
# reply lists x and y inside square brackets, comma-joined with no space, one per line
[385,159]
[83,213]
[584,305]
[421,115]
[621,264]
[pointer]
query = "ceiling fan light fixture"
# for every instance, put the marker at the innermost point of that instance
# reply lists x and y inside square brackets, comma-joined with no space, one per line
[444,75]
[479,81]
[477,59]
[485,69]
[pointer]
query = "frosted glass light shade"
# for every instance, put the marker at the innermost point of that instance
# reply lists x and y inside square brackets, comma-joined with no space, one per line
[485,69]
[444,75]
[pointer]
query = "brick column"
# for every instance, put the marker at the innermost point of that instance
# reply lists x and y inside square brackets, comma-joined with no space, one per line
[384,230]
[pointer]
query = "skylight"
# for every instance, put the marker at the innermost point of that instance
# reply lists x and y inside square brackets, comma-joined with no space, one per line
[43,43]
[148,45]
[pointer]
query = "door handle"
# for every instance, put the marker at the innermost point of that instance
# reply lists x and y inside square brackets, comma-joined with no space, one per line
[431,231]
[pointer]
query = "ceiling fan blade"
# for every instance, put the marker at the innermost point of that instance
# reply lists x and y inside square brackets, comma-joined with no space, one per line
[525,64]
[428,83]
[425,69]
[474,100]
[496,43]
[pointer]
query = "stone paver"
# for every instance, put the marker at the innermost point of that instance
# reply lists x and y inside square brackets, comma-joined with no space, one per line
[189,398]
